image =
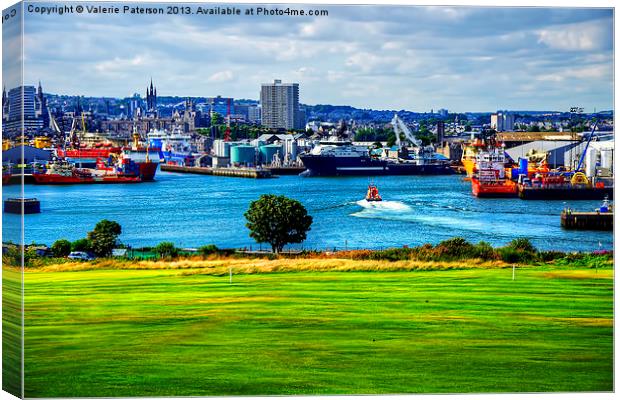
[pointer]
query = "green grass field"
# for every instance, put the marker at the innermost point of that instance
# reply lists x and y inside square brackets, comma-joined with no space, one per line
[163,332]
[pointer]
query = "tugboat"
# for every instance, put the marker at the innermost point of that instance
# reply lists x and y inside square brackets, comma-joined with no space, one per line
[373,193]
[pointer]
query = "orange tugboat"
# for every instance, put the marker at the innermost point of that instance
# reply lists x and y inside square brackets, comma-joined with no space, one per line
[373,193]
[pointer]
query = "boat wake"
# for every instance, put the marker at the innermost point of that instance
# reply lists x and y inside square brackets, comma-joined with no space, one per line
[393,206]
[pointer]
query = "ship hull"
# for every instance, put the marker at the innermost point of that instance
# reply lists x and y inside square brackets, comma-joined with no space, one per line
[529,193]
[494,190]
[356,166]
[53,179]
[147,170]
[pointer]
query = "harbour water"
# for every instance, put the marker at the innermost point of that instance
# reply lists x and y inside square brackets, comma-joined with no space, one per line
[194,210]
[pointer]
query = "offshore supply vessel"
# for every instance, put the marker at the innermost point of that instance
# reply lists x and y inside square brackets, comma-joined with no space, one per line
[175,147]
[489,173]
[338,156]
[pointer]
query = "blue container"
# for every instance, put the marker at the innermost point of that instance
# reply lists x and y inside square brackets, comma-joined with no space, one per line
[523,166]
[514,174]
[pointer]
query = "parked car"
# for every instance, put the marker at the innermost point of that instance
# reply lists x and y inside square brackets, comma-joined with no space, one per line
[80,255]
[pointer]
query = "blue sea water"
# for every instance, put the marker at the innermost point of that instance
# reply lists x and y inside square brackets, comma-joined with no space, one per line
[194,210]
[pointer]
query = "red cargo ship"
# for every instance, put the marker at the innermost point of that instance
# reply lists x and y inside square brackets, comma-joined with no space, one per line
[64,173]
[85,154]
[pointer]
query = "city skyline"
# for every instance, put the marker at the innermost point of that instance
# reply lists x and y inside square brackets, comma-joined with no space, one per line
[414,58]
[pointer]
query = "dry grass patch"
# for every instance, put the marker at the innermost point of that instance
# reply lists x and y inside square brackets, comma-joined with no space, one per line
[191,266]
[580,274]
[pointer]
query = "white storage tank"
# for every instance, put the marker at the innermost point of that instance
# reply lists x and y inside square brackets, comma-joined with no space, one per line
[590,161]
[607,158]
[291,149]
[222,148]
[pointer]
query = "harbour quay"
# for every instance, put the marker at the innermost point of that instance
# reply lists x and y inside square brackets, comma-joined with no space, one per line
[587,220]
[233,172]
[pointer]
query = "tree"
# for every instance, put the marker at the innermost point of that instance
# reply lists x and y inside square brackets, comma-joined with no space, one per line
[166,249]
[81,245]
[61,248]
[104,237]
[215,119]
[277,220]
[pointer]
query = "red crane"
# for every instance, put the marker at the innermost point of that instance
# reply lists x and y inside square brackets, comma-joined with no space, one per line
[227,133]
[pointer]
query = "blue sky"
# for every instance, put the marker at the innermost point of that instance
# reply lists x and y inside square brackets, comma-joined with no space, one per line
[415,58]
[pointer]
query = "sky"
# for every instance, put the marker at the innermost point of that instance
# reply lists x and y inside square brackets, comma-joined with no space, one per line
[413,58]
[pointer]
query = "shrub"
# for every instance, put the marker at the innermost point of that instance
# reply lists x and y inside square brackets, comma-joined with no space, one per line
[393,254]
[585,260]
[166,250]
[61,248]
[207,250]
[551,255]
[484,251]
[12,256]
[454,248]
[523,244]
[510,255]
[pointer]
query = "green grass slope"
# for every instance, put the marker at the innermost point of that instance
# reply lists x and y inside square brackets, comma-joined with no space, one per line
[161,333]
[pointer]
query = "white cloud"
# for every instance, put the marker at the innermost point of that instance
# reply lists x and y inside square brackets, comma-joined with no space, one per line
[575,37]
[120,64]
[221,76]
[584,73]
[451,57]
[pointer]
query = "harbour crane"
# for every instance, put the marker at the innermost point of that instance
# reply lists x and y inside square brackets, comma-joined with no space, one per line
[400,127]
[583,155]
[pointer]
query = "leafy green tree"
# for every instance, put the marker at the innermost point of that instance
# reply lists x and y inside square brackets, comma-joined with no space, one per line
[166,249]
[216,119]
[81,245]
[277,220]
[104,237]
[61,248]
